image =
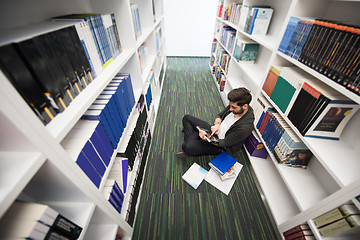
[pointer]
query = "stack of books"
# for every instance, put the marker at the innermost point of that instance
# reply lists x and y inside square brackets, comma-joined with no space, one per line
[314,108]
[27,220]
[329,47]
[300,232]
[223,164]
[338,220]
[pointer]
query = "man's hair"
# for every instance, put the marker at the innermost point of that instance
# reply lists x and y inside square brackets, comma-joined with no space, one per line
[240,95]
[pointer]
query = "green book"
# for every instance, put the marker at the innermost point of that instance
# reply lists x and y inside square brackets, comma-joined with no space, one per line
[282,93]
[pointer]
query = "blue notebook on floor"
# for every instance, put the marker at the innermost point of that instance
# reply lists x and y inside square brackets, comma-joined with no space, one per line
[222,163]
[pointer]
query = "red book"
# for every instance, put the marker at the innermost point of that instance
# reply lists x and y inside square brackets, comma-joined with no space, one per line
[296,229]
[271,80]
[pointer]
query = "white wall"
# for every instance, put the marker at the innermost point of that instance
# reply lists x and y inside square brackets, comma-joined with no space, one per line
[189,26]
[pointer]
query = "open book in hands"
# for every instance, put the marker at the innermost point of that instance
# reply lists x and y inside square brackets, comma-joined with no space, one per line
[210,138]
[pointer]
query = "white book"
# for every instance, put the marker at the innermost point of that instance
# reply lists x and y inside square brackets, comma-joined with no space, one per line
[194,175]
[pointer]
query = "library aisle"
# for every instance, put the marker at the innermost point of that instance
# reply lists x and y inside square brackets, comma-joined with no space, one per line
[170,208]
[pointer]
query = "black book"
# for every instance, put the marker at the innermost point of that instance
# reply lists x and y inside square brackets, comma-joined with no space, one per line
[85,65]
[54,67]
[343,54]
[302,105]
[337,37]
[19,75]
[315,111]
[38,68]
[64,62]
[353,78]
[342,69]
[347,76]
[339,52]
[324,39]
[309,41]
[74,58]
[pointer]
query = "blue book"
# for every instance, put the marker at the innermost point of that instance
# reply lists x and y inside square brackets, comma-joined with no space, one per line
[100,116]
[290,28]
[130,87]
[222,163]
[148,97]
[309,23]
[99,130]
[85,165]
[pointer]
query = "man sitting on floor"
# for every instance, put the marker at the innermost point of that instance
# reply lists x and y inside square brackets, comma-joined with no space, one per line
[231,127]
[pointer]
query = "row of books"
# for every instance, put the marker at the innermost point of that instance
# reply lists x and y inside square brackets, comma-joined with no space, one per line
[313,107]
[219,76]
[251,19]
[300,232]
[139,174]
[223,59]
[48,70]
[99,37]
[338,220]
[136,20]
[113,194]
[136,138]
[232,13]
[329,47]
[281,140]
[245,50]
[89,146]
[228,35]
[113,107]
[29,220]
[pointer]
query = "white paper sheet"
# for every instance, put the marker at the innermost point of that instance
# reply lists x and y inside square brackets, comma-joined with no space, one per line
[225,186]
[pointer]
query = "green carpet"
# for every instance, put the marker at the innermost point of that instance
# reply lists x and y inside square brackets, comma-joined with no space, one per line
[169,208]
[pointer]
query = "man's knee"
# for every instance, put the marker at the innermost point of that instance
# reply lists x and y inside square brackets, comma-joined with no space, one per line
[188,148]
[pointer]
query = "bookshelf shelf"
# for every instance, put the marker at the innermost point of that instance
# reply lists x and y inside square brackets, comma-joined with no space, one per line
[331,175]
[17,168]
[276,193]
[322,78]
[34,164]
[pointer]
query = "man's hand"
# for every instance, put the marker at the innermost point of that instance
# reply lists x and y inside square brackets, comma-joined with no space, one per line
[202,134]
[215,129]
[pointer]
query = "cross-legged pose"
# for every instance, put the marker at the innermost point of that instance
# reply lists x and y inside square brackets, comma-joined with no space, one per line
[229,131]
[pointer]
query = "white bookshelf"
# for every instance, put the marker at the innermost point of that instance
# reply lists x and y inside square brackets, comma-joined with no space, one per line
[34,166]
[295,195]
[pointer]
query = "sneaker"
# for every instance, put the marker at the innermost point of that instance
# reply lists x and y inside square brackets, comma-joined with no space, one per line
[181,155]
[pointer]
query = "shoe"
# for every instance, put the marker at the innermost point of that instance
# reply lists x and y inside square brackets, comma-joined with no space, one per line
[181,155]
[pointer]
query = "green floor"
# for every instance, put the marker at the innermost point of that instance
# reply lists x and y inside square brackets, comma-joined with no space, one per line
[169,208]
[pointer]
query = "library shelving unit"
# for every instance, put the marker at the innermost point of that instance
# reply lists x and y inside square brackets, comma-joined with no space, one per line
[34,165]
[295,195]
